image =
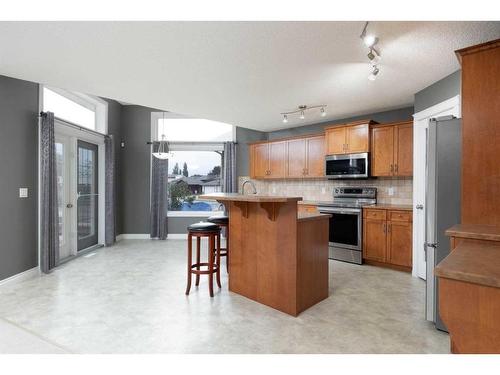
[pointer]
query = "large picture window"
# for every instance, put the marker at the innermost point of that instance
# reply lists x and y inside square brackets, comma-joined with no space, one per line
[195,165]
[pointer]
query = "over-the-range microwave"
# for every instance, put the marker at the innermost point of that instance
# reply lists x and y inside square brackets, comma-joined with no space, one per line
[347,166]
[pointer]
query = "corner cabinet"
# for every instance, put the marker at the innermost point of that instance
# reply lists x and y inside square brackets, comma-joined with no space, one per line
[387,238]
[300,157]
[349,138]
[392,149]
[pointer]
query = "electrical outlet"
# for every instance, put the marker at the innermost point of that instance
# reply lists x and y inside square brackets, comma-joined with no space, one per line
[390,191]
[323,190]
[23,192]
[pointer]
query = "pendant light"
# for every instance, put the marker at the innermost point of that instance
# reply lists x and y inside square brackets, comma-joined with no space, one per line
[163,149]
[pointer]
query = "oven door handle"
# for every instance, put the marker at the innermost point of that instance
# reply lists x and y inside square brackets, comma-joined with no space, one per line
[329,210]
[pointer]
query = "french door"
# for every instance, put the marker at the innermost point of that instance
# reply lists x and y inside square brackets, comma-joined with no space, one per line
[87,195]
[79,191]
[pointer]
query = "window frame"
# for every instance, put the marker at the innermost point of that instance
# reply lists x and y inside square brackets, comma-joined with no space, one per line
[95,104]
[187,146]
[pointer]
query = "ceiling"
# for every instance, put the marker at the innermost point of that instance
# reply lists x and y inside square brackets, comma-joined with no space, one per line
[244,73]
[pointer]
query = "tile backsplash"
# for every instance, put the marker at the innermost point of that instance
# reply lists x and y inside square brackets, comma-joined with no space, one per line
[322,190]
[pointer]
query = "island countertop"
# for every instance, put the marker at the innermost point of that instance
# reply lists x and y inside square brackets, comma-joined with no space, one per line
[236,197]
[474,231]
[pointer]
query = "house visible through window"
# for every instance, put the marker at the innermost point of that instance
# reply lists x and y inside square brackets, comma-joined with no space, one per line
[195,166]
[192,173]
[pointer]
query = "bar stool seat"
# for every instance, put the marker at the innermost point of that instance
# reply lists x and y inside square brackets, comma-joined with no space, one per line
[212,232]
[223,222]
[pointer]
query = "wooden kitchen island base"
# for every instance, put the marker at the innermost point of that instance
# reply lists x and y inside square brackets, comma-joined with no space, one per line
[277,258]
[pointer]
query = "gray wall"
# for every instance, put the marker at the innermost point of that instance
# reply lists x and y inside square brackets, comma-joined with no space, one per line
[18,168]
[386,116]
[243,137]
[439,91]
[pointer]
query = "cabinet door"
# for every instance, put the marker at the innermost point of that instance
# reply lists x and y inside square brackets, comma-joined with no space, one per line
[335,140]
[296,159]
[382,151]
[315,148]
[399,243]
[374,240]
[277,159]
[260,160]
[403,150]
[357,138]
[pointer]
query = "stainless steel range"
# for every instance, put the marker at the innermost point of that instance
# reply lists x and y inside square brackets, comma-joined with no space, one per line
[346,221]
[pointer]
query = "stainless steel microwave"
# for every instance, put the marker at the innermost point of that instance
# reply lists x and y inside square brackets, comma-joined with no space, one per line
[347,166]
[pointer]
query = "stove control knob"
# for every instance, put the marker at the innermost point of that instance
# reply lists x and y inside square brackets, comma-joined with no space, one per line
[337,191]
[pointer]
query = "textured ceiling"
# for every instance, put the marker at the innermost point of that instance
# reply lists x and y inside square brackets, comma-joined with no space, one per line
[244,73]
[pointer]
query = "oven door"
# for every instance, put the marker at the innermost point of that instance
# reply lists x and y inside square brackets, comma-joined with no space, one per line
[345,227]
[347,166]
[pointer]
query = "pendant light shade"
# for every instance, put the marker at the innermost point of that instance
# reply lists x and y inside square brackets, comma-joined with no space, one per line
[163,150]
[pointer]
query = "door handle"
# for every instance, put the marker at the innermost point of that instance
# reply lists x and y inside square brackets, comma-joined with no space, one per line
[69,205]
[419,206]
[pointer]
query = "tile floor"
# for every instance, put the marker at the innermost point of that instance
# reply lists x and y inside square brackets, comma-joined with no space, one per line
[129,298]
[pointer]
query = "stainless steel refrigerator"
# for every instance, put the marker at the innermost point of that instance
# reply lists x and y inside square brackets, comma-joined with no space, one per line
[442,201]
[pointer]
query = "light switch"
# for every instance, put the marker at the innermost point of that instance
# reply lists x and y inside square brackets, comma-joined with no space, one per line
[23,192]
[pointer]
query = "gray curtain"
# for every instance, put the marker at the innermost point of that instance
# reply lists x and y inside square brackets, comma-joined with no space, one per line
[159,197]
[110,202]
[229,183]
[49,217]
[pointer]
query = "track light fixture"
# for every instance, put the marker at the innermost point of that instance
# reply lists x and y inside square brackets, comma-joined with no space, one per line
[373,54]
[302,109]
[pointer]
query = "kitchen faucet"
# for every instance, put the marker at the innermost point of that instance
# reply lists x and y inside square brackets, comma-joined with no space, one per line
[251,184]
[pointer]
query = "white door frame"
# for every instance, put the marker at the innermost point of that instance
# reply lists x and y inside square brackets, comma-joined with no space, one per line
[420,126]
[74,134]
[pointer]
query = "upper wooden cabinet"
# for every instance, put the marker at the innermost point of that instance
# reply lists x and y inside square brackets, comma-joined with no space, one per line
[302,157]
[349,138]
[392,149]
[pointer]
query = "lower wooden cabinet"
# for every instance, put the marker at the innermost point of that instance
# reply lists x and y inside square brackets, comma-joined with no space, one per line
[387,237]
[309,208]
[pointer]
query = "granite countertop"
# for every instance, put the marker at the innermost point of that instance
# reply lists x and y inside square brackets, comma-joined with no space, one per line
[475,231]
[249,198]
[314,203]
[389,206]
[304,216]
[477,263]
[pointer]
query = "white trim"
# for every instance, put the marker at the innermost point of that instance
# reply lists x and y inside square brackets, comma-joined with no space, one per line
[421,119]
[20,277]
[193,213]
[133,236]
[177,236]
[452,104]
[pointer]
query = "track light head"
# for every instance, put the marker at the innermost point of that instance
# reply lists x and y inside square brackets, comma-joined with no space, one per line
[374,56]
[302,115]
[285,119]
[323,112]
[370,40]
[374,73]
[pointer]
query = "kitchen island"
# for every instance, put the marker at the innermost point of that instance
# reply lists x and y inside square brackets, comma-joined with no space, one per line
[277,257]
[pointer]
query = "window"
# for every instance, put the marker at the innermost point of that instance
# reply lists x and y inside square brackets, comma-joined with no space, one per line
[195,166]
[79,109]
[191,174]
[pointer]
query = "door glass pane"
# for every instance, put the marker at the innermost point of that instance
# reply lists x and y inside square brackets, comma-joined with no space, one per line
[87,195]
[60,191]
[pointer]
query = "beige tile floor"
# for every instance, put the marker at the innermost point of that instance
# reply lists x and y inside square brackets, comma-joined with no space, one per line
[129,298]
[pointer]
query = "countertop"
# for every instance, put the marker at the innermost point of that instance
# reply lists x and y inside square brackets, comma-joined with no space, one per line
[475,231]
[477,263]
[249,198]
[388,206]
[304,216]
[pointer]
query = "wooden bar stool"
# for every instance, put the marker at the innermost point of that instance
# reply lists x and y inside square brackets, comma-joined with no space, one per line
[212,232]
[223,222]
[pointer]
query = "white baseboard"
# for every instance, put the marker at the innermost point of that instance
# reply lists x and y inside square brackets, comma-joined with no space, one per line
[26,275]
[133,236]
[140,236]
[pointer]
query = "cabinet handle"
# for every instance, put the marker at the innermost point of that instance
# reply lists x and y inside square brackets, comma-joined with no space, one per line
[385,228]
[396,168]
[389,228]
[392,168]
